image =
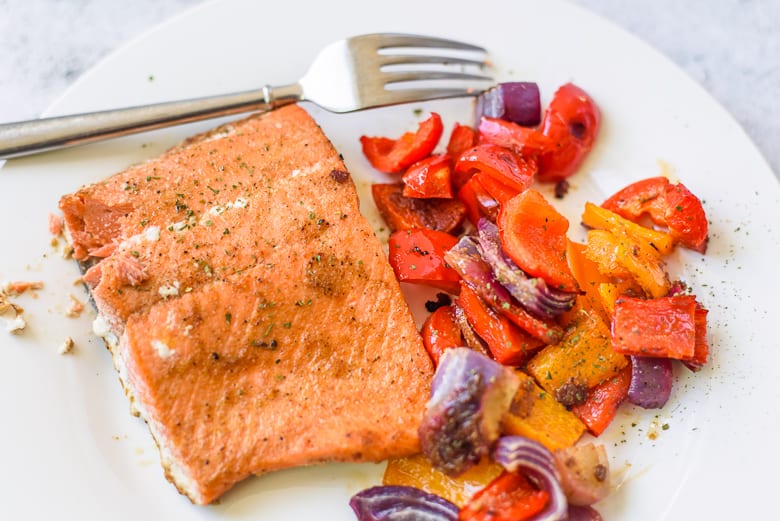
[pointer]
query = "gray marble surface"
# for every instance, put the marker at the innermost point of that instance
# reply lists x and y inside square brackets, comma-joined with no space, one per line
[731,47]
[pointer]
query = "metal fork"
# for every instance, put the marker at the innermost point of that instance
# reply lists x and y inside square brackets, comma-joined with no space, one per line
[357,73]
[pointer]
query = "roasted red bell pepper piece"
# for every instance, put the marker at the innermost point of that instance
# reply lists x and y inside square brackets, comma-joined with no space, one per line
[661,327]
[417,257]
[533,235]
[603,400]
[477,201]
[499,162]
[667,204]
[509,497]
[429,178]
[462,138]
[640,198]
[524,141]
[572,122]
[441,331]
[508,344]
[497,190]
[685,218]
[395,155]
[483,195]
[403,213]
[701,349]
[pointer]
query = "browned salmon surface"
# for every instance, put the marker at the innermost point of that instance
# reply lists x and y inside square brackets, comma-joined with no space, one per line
[260,326]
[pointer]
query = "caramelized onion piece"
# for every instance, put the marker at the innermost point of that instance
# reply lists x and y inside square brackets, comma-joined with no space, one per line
[584,471]
[533,293]
[470,394]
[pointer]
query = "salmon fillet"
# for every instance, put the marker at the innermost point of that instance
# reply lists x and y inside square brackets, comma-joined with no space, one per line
[250,310]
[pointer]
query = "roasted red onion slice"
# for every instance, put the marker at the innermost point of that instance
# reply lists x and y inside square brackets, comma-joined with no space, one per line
[518,453]
[651,382]
[583,513]
[401,503]
[516,101]
[533,293]
[469,395]
[465,258]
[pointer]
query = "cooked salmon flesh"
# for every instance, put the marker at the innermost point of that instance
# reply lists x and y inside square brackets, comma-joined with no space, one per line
[250,310]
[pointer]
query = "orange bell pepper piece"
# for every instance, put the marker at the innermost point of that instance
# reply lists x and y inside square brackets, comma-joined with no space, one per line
[417,471]
[584,357]
[588,277]
[533,235]
[536,414]
[603,219]
[621,256]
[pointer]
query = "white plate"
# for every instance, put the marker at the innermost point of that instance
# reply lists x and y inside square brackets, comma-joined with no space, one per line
[69,448]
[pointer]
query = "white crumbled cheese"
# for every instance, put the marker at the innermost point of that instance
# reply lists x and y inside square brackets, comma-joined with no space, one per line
[100,327]
[67,346]
[162,348]
[295,173]
[169,291]
[186,330]
[240,202]
[16,324]
[152,233]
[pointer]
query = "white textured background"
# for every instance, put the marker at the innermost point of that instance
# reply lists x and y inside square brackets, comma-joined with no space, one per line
[731,47]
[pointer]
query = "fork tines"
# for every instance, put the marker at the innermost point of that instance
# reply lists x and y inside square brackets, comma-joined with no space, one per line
[418,65]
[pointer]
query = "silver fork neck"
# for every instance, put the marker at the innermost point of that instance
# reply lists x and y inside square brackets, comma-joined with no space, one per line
[277,96]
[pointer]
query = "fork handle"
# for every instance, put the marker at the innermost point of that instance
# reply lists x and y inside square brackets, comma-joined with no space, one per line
[38,135]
